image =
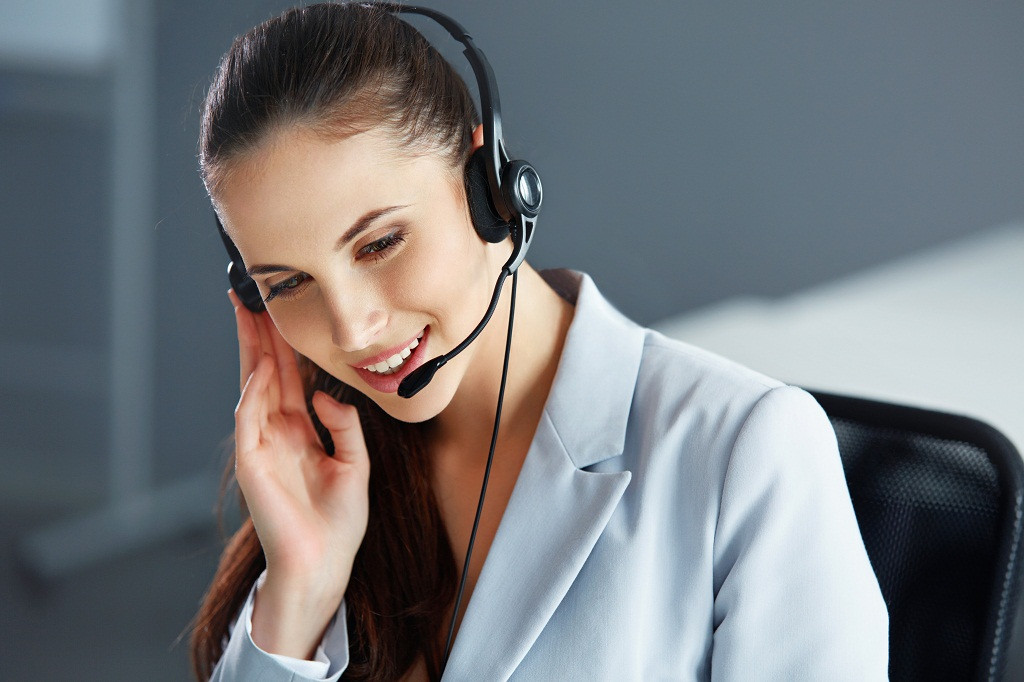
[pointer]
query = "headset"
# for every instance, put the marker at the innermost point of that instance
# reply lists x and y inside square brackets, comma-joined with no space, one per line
[504,197]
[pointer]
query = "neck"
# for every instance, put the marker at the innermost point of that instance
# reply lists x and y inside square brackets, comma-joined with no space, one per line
[542,318]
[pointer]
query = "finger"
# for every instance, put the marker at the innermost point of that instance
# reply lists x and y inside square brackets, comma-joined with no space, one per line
[293,395]
[266,345]
[248,342]
[263,324]
[342,421]
[251,412]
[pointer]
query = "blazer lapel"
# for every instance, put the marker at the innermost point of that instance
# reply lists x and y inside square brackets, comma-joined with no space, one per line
[558,509]
[554,517]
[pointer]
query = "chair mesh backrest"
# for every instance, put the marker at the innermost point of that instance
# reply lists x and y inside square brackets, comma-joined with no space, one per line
[940,515]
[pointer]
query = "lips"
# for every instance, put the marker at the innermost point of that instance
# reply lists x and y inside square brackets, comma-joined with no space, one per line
[385,371]
[393,362]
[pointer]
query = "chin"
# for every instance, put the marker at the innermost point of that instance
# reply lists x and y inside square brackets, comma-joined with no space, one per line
[423,406]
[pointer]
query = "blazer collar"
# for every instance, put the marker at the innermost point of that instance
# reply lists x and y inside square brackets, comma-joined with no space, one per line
[557,511]
[593,388]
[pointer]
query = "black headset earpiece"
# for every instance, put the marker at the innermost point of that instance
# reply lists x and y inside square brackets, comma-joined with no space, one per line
[243,285]
[524,196]
[486,219]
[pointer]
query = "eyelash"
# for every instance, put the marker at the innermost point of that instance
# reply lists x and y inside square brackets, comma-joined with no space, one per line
[377,250]
[381,249]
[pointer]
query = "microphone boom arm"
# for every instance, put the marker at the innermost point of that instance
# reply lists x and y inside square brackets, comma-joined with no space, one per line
[421,376]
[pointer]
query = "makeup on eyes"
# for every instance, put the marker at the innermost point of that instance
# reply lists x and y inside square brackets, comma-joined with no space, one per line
[376,250]
[381,248]
[285,288]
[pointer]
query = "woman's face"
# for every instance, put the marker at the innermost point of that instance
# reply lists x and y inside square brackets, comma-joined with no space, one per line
[366,256]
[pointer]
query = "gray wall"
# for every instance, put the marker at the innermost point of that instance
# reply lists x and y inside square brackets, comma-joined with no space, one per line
[690,152]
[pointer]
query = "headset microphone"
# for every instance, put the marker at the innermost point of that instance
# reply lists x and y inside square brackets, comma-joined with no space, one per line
[526,198]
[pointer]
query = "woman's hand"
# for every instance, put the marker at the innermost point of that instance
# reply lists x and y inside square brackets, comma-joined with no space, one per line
[309,509]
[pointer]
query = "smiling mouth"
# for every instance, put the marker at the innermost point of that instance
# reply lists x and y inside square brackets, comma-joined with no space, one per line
[395,362]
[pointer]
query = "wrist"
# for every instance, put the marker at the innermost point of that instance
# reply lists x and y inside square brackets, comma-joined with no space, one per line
[289,617]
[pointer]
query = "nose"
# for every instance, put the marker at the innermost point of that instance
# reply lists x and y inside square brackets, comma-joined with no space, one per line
[356,319]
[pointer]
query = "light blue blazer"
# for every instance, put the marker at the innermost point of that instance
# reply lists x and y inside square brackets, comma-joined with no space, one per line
[678,517]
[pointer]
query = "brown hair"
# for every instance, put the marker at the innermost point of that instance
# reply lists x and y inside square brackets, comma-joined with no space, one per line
[338,69]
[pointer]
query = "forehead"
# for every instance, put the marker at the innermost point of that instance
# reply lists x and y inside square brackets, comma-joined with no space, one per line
[299,180]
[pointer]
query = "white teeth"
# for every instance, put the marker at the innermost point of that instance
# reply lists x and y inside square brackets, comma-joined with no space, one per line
[395,361]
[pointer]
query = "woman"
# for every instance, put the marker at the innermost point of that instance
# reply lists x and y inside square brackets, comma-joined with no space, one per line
[653,511]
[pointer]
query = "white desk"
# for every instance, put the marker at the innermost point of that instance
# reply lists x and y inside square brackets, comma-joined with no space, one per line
[943,328]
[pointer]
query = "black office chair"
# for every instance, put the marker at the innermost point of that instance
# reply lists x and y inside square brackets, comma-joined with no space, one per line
[938,499]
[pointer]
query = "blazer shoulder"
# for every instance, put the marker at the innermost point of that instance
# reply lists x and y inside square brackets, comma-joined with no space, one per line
[692,408]
[676,371]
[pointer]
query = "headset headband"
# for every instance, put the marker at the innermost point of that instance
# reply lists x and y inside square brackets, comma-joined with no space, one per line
[490,105]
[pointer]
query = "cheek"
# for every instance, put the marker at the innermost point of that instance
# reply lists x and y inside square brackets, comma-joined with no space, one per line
[297,331]
[440,278]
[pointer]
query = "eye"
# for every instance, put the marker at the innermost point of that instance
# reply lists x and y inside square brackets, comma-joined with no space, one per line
[379,250]
[285,289]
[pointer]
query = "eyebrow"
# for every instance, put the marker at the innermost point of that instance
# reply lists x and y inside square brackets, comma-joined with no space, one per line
[360,226]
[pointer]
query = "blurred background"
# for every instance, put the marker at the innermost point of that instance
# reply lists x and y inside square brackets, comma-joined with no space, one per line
[693,154]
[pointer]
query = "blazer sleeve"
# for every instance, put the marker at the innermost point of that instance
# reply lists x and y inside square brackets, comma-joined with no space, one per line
[243,661]
[795,595]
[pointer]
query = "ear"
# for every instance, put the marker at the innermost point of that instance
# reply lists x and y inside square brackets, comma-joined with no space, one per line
[478,136]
